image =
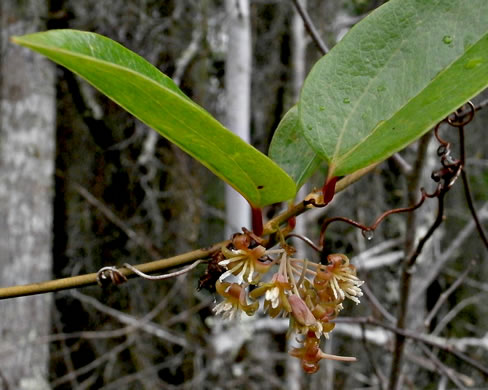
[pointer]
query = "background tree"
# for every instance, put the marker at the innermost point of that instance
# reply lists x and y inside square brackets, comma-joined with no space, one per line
[27,135]
[238,99]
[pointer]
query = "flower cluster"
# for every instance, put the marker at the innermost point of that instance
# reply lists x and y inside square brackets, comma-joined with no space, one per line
[310,294]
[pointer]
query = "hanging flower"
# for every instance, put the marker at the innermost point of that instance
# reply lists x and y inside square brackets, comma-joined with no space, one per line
[235,301]
[275,295]
[339,278]
[302,320]
[310,354]
[243,261]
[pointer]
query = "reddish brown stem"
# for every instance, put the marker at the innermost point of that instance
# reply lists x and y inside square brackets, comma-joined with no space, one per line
[372,227]
[257,221]
[328,190]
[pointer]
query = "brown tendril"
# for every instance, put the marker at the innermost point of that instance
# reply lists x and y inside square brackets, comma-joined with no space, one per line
[164,276]
[110,275]
[460,119]
[304,239]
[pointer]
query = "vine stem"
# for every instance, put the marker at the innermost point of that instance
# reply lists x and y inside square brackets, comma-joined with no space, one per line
[91,279]
[171,262]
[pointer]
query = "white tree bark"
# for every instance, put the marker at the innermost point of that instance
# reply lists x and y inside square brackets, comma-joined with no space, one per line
[238,100]
[294,372]
[27,123]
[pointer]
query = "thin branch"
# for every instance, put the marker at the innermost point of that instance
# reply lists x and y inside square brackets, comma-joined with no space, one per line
[379,374]
[440,265]
[126,319]
[440,343]
[455,311]
[413,187]
[376,303]
[405,292]
[93,364]
[467,191]
[447,293]
[124,381]
[138,238]
[310,27]
[402,164]
[478,107]
[188,54]
[469,281]
[447,371]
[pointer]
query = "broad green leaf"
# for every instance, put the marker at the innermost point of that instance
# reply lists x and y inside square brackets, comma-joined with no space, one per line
[394,75]
[154,98]
[291,151]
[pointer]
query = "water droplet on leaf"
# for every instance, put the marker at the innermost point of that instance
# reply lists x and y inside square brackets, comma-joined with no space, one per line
[367,234]
[309,127]
[473,63]
[347,100]
[447,39]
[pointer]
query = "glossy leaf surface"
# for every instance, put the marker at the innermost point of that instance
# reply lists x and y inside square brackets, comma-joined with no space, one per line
[154,98]
[397,73]
[291,151]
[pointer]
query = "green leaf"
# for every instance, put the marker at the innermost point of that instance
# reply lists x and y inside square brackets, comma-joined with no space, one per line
[291,151]
[394,75]
[154,98]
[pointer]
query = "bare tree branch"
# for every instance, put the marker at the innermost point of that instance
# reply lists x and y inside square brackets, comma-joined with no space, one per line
[443,298]
[311,29]
[148,327]
[442,367]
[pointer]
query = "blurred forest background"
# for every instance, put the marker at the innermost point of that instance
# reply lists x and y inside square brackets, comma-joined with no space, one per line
[84,185]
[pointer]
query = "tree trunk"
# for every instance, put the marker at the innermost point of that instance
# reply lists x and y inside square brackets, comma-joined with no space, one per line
[294,372]
[238,99]
[27,110]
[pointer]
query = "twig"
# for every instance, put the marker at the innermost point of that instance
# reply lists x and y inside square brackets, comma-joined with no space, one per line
[402,164]
[447,371]
[447,293]
[379,374]
[146,326]
[124,381]
[467,191]
[447,254]
[307,21]
[479,106]
[376,303]
[188,54]
[414,335]
[92,365]
[413,186]
[138,238]
[455,311]
[469,281]
[405,292]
